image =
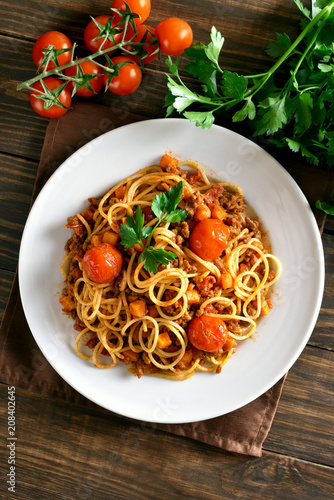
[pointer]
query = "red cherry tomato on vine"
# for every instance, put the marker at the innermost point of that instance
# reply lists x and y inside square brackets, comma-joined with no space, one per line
[209,239]
[174,36]
[92,31]
[102,263]
[129,78]
[88,68]
[140,7]
[59,40]
[54,111]
[151,49]
[207,333]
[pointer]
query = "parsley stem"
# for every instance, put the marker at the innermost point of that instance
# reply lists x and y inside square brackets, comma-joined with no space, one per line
[324,12]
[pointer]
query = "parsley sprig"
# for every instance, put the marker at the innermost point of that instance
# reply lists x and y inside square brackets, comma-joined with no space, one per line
[164,207]
[298,114]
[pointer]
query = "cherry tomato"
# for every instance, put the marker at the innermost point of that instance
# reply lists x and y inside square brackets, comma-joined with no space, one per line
[174,36]
[140,7]
[149,47]
[92,31]
[209,239]
[54,111]
[88,68]
[102,263]
[207,333]
[59,40]
[129,77]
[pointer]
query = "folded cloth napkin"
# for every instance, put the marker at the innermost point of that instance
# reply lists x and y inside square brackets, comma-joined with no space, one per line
[22,363]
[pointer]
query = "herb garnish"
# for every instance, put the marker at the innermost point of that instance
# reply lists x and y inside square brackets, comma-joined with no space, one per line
[298,114]
[164,206]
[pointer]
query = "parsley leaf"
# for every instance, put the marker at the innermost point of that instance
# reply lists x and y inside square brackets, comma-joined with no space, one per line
[212,51]
[326,207]
[234,86]
[278,47]
[164,206]
[294,106]
[248,110]
[152,256]
[128,236]
[201,119]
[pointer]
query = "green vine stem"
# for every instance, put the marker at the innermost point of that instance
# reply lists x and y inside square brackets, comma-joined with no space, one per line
[58,71]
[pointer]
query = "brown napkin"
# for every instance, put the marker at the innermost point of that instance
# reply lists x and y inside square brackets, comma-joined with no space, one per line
[23,365]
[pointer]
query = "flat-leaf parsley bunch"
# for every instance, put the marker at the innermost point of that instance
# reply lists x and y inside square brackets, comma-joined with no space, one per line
[299,114]
[164,207]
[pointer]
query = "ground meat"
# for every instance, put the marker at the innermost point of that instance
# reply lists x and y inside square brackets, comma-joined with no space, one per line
[184,320]
[74,246]
[181,231]
[132,296]
[74,272]
[206,285]
[188,268]
[175,170]
[193,202]
[233,202]
[173,308]
[213,195]
[143,368]
[235,224]
[77,225]
[233,325]
[271,275]
[253,227]
[220,264]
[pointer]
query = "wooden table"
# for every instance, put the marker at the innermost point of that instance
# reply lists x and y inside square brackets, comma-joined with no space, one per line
[68,452]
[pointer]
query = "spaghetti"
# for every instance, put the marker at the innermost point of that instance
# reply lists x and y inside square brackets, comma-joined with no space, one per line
[144,319]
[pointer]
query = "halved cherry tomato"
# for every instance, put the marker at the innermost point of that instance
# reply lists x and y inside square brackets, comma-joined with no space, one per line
[207,333]
[151,48]
[129,77]
[140,7]
[59,41]
[209,239]
[174,36]
[92,31]
[88,68]
[102,263]
[53,111]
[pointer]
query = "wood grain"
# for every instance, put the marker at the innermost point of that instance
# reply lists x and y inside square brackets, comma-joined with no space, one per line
[85,454]
[323,333]
[304,422]
[6,280]
[17,177]
[70,452]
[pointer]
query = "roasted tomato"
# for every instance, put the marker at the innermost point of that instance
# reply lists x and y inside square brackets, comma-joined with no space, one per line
[102,263]
[207,333]
[209,239]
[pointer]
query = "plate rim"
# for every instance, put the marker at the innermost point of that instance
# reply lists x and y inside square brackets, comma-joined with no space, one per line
[321,274]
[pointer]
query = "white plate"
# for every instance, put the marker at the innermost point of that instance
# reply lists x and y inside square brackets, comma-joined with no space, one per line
[258,363]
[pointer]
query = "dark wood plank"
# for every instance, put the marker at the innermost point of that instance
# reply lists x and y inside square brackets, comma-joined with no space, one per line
[304,422]
[93,456]
[6,280]
[258,21]
[323,332]
[17,177]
